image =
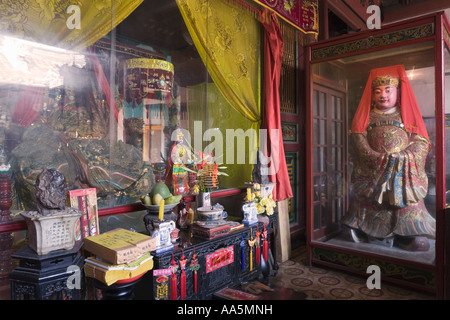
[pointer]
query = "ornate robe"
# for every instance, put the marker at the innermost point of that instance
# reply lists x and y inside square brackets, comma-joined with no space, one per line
[389,180]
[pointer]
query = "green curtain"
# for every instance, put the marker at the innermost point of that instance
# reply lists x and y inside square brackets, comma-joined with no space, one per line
[47,21]
[205,104]
[228,40]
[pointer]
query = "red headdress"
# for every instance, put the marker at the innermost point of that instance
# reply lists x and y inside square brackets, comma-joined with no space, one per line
[411,116]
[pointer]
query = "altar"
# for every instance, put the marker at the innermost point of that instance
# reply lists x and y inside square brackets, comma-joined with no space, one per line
[204,266]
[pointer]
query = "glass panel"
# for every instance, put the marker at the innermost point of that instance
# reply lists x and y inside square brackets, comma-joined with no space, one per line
[338,159]
[104,111]
[324,188]
[333,107]
[323,132]
[333,136]
[338,108]
[323,157]
[322,104]
[323,221]
[315,103]
[317,159]
[357,175]
[316,193]
[316,131]
[316,216]
[338,133]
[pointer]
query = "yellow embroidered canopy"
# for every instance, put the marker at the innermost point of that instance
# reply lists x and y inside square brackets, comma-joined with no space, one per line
[69,24]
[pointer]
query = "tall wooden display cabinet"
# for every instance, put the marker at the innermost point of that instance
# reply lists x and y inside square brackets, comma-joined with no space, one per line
[337,73]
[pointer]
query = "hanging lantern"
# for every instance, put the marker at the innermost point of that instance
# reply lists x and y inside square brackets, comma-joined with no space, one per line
[149,79]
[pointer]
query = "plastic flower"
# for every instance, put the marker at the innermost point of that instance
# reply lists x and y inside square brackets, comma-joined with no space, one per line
[260,208]
[263,204]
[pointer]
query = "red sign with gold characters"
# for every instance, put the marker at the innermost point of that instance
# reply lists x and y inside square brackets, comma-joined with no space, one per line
[219,259]
[302,14]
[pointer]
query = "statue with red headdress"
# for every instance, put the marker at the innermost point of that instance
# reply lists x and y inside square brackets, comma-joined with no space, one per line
[389,182]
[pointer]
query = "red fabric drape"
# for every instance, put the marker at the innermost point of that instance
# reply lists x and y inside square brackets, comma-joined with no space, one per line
[104,84]
[273,53]
[411,115]
[27,106]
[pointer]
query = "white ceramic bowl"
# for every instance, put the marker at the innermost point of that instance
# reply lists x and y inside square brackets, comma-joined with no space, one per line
[210,213]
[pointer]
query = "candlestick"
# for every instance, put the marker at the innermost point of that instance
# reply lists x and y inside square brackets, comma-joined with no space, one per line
[249,195]
[161,210]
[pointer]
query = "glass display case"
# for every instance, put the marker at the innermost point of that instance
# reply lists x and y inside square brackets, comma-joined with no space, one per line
[109,101]
[121,95]
[378,170]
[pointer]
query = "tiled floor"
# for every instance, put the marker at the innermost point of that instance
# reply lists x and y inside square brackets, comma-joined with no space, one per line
[325,284]
[295,280]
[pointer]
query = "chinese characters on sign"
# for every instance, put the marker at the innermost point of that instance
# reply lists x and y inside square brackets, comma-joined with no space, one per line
[302,14]
[58,234]
[219,259]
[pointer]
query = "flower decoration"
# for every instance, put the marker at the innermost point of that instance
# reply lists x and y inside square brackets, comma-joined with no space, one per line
[264,203]
[206,171]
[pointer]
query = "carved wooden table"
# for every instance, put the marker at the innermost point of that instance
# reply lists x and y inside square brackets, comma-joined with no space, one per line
[220,264]
[46,277]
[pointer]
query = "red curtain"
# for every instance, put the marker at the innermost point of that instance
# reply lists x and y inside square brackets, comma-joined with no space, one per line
[273,53]
[27,106]
[103,83]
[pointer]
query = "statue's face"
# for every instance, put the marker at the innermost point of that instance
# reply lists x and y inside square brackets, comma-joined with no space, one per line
[385,97]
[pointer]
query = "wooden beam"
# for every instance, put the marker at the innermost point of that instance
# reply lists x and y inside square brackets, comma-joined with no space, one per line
[347,14]
[360,8]
[413,10]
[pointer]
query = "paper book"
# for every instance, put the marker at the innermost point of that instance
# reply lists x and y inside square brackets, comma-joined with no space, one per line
[86,201]
[119,246]
[110,273]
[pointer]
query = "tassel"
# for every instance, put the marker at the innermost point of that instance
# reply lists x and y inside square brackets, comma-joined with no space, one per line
[242,252]
[183,277]
[251,242]
[195,281]
[265,244]
[173,280]
[258,247]
[194,266]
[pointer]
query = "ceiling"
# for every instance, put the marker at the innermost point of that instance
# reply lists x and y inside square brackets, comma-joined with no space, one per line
[160,24]
[350,15]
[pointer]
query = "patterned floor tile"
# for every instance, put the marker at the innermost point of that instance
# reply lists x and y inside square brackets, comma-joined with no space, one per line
[326,284]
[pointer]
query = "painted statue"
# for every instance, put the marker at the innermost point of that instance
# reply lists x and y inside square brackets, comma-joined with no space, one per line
[389,182]
[176,175]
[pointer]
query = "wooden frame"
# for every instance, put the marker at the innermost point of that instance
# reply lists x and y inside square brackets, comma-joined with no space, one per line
[432,29]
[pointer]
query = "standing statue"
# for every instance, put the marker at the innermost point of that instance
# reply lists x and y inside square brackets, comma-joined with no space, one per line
[390,144]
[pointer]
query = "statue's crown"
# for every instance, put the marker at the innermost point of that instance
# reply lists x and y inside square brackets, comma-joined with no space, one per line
[385,80]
